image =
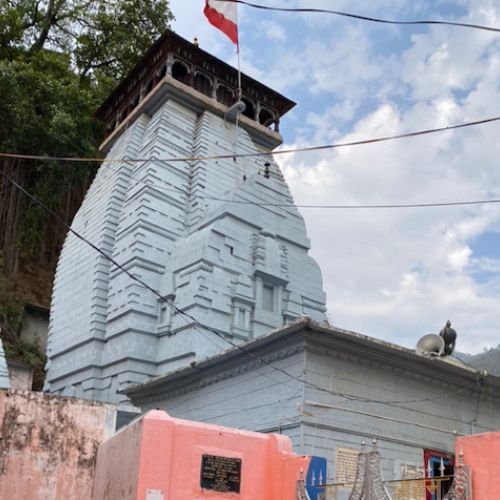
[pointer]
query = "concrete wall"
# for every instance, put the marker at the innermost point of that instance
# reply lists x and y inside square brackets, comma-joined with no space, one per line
[481,453]
[440,410]
[48,445]
[246,396]
[20,375]
[158,457]
[35,325]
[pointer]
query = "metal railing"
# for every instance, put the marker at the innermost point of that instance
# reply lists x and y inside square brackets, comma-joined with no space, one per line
[399,489]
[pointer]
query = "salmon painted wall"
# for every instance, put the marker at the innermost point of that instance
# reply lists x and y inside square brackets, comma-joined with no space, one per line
[482,453]
[48,445]
[159,458]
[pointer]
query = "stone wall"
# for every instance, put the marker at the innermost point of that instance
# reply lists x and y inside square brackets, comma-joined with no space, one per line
[481,452]
[48,445]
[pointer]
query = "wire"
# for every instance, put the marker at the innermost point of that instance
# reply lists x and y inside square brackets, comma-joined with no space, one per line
[404,205]
[177,190]
[366,18]
[306,149]
[381,417]
[196,324]
[294,205]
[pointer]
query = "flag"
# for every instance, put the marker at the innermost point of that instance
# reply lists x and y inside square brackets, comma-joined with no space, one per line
[223,15]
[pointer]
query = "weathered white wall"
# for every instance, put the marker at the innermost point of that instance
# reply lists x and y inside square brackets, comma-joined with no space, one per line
[186,229]
[49,444]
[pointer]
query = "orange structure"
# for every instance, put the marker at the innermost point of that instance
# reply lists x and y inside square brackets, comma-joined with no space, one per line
[158,457]
[481,452]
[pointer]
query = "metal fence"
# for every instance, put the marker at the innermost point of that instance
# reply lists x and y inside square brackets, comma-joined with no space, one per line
[402,489]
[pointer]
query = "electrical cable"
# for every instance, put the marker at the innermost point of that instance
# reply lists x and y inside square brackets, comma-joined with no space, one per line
[196,324]
[365,18]
[295,205]
[306,149]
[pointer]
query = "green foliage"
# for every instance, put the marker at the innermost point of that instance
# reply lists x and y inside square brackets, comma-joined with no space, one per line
[105,36]
[10,313]
[47,109]
[58,61]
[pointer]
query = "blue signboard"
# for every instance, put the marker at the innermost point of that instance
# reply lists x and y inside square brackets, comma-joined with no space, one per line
[316,477]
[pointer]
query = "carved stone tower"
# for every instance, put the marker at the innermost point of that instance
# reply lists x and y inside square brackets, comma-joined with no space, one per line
[219,238]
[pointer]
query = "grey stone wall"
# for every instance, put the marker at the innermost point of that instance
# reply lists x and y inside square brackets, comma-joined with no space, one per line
[407,407]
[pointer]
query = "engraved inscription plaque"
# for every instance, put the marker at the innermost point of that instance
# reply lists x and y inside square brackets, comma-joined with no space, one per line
[220,473]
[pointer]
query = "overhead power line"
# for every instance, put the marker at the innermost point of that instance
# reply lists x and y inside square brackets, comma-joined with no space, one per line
[366,18]
[342,207]
[306,149]
[295,205]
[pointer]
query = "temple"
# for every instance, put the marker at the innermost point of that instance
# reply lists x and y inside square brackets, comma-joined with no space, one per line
[220,239]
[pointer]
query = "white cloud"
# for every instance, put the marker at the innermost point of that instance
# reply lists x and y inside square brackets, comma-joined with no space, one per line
[398,274]
[273,31]
[390,273]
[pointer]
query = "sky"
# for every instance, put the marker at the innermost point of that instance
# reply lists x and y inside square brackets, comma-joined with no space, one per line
[393,274]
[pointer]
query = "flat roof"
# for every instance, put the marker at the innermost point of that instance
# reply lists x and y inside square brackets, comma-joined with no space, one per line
[452,371]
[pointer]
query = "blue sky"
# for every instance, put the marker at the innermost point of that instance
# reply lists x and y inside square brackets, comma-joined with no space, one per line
[391,274]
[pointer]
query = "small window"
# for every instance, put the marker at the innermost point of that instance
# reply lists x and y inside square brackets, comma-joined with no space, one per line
[180,72]
[250,108]
[266,118]
[203,84]
[268,298]
[163,315]
[242,318]
[225,95]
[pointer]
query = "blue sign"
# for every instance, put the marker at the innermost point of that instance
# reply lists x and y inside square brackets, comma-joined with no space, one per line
[316,477]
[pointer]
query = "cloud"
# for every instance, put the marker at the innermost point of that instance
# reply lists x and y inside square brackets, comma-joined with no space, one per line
[273,31]
[395,274]
[398,274]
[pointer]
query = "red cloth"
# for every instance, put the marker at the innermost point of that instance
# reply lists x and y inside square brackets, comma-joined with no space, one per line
[222,15]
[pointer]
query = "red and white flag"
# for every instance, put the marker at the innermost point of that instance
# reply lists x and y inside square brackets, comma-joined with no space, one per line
[223,15]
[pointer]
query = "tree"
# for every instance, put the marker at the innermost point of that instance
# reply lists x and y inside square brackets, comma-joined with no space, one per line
[103,36]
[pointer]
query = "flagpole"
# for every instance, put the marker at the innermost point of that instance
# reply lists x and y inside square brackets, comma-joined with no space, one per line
[240,92]
[239,70]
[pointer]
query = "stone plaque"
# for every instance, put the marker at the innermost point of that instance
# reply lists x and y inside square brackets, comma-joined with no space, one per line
[220,473]
[346,465]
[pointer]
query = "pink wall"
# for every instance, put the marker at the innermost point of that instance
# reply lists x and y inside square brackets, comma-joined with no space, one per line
[48,445]
[159,458]
[482,453]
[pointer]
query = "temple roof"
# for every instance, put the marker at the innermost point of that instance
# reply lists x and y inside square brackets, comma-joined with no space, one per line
[170,45]
[311,333]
